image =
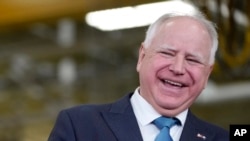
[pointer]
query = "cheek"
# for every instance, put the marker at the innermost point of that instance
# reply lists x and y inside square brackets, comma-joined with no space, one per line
[149,68]
[145,69]
[200,77]
[152,64]
[159,62]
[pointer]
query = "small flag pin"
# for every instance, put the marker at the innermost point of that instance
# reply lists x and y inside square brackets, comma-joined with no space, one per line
[201,136]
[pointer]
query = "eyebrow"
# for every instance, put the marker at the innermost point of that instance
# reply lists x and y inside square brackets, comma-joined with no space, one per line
[168,47]
[195,55]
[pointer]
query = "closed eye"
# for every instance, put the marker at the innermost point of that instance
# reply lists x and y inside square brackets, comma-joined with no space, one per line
[194,61]
[167,53]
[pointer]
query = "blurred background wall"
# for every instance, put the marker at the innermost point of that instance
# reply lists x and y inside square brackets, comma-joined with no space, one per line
[51,58]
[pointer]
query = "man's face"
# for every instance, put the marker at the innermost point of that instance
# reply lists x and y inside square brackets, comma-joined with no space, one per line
[175,68]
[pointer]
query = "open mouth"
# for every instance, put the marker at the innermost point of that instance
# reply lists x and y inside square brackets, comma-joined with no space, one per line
[173,83]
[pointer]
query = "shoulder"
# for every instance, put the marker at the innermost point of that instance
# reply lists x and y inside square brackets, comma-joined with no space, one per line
[95,110]
[85,110]
[210,126]
[207,128]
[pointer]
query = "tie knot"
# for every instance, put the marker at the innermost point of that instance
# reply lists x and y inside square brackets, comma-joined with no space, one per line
[165,122]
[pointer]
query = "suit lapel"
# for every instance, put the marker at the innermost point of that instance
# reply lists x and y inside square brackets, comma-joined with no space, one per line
[194,130]
[122,121]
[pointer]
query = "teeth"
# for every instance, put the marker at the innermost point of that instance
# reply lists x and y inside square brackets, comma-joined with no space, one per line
[174,83]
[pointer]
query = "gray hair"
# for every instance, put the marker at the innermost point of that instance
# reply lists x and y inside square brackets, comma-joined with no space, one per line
[198,16]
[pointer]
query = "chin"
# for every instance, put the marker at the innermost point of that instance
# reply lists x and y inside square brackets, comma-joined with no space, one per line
[171,105]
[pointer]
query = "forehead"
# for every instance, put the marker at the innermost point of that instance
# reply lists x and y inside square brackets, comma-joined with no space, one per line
[183,28]
[183,23]
[183,33]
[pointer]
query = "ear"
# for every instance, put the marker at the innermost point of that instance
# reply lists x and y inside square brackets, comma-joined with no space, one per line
[140,57]
[210,69]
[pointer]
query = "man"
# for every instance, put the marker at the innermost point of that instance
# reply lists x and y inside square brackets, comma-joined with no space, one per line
[174,64]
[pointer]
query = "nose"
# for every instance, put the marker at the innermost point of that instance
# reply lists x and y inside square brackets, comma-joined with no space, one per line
[177,66]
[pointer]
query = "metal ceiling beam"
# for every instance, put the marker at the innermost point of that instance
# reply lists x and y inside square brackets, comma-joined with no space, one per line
[18,13]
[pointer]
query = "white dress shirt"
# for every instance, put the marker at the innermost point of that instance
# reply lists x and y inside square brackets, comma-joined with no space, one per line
[145,114]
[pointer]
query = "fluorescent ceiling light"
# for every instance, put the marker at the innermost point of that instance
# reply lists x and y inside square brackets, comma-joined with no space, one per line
[131,17]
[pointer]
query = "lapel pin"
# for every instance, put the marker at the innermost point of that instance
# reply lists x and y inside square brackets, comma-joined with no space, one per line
[201,136]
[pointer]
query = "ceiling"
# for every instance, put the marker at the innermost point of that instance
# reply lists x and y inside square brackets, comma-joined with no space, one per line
[21,13]
[233,59]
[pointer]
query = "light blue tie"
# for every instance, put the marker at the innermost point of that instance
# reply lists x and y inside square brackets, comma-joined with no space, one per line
[164,124]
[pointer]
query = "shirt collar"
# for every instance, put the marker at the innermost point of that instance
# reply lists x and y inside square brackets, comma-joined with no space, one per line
[145,113]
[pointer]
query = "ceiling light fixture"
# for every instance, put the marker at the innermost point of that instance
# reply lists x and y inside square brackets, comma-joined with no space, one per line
[131,17]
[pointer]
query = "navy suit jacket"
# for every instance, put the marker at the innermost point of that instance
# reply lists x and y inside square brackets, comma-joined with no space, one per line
[117,122]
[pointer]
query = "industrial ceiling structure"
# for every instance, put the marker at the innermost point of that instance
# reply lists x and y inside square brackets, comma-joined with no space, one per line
[42,71]
[22,13]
